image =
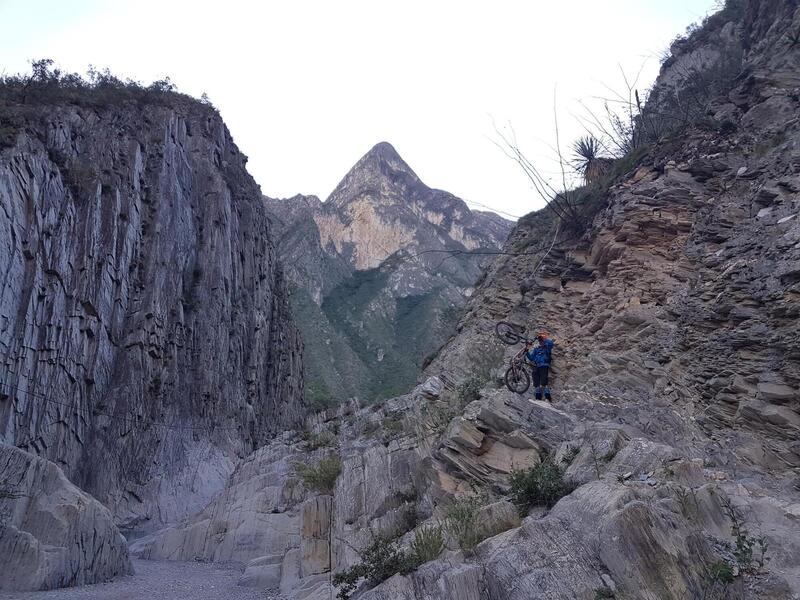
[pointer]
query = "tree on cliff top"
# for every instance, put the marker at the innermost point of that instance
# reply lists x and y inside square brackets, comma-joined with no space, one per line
[48,84]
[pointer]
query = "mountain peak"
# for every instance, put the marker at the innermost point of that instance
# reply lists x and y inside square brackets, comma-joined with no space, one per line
[384,157]
[383,151]
[382,164]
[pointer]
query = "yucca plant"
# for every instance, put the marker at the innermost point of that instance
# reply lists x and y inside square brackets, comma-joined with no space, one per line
[462,523]
[428,543]
[587,158]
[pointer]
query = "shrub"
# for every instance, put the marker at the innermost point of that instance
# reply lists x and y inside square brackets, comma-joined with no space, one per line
[428,543]
[750,552]
[379,561]
[323,439]
[462,523]
[542,485]
[721,571]
[470,390]
[48,84]
[322,476]
[603,592]
[717,585]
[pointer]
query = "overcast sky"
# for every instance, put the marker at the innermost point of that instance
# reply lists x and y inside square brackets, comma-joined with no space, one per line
[307,87]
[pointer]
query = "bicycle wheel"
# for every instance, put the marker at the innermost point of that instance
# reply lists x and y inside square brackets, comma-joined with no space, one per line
[518,380]
[509,333]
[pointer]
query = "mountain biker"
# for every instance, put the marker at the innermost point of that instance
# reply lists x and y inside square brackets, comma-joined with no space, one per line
[541,355]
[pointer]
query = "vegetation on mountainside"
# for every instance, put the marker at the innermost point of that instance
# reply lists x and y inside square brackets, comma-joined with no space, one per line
[462,522]
[384,558]
[322,476]
[541,485]
[48,84]
[391,346]
[588,160]
[629,122]
[428,543]
[333,372]
[749,551]
[696,33]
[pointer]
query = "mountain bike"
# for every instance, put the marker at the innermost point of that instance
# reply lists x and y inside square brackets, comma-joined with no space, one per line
[517,378]
[510,333]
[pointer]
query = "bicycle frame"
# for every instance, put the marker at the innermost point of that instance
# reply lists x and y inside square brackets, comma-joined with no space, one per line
[519,361]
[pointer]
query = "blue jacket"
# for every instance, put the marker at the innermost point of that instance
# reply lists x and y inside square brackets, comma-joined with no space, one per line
[541,354]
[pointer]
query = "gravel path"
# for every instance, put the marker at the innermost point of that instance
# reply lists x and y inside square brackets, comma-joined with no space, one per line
[159,580]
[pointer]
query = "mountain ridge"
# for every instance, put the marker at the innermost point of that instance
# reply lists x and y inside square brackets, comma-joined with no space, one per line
[357,253]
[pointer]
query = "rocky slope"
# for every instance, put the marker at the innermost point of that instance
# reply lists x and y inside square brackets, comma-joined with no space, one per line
[146,339]
[369,308]
[51,533]
[676,411]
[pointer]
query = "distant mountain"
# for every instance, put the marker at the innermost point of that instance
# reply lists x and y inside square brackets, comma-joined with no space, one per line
[379,275]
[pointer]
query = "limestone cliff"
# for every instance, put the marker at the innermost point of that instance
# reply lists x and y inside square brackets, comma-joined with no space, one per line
[146,340]
[370,306]
[51,533]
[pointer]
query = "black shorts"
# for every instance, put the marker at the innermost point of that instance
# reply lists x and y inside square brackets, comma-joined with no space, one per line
[540,376]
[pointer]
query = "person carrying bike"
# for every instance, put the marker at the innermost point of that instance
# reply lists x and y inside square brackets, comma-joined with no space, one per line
[541,355]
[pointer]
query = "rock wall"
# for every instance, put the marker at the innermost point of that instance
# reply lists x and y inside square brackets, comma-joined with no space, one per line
[51,533]
[682,295]
[146,341]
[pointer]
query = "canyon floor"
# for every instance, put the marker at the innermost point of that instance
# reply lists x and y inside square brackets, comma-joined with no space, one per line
[159,579]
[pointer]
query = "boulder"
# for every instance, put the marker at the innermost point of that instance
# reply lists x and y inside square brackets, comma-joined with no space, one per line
[432,388]
[498,517]
[52,534]
[263,572]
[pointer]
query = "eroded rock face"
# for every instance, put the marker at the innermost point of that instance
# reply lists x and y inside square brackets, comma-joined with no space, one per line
[51,533]
[289,536]
[370,305]
[679,303]
[146,340]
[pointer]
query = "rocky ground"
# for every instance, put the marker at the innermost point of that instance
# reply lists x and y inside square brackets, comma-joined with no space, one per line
[159,579]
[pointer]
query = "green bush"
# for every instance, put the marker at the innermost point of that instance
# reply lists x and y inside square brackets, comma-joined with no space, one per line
[721,571]
[462,523]
[323,439]
[542,485]
[750,552]
[379,561]
[470,390]
[384,558]
[428,543]
[322,476]
[47,84]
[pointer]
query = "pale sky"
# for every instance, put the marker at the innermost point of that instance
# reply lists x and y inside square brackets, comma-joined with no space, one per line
[307,87]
